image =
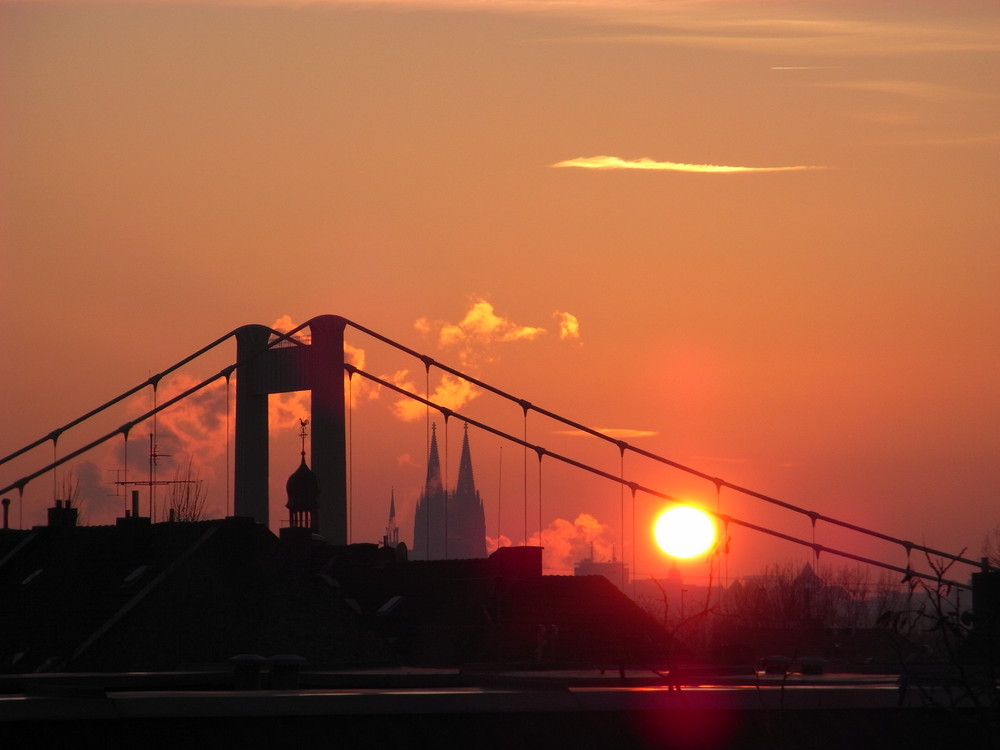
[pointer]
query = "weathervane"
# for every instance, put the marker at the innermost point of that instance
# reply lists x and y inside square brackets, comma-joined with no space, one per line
[303,434]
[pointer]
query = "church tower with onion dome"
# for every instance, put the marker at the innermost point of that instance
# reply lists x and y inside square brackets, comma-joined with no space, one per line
[302,488]
[449,525]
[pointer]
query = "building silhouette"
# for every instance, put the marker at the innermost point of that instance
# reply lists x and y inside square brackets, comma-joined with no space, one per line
[303,493]
[391,538]
[449,525]
[615,571]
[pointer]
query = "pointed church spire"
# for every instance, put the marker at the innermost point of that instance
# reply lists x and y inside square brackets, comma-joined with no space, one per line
[391,529]
[466,486]
[433,483]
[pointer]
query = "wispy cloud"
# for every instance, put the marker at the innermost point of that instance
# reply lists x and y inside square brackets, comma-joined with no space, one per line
[615,162]
[767,28]
[930,92]
[756,28]
[958,140]
[619,433]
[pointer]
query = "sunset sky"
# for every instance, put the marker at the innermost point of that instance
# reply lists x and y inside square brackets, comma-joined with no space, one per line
[757,238]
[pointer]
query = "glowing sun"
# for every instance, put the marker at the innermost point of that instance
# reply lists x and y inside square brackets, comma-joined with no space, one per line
[684,531]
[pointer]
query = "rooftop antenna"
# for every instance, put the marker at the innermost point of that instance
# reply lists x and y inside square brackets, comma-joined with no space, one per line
[121,475]
[154,455]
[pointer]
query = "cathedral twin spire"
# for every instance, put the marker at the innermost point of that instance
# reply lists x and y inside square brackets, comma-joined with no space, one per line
[449,525]
[433,482]
[466,483]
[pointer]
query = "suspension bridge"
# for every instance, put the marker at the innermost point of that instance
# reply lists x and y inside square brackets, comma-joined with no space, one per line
[311,357]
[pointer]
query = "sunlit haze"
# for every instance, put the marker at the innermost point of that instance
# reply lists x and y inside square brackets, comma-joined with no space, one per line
[758,239]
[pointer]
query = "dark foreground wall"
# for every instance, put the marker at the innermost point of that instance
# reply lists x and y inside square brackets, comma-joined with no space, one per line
[472,718]
[833,729]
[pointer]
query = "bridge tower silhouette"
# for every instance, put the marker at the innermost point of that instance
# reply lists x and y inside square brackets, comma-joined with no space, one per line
[263,369]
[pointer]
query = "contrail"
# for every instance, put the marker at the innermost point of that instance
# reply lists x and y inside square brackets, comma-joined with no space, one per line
[614,162]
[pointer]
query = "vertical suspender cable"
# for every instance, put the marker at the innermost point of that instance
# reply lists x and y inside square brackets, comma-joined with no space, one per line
[541,452]
[444,489]
[152,459]
[632,488]
[125,470]
[724,540]
[621,509]
[229,496]
[427,453]
[350,456]
[525,410]
[55,457]
[499,493]
[812,521]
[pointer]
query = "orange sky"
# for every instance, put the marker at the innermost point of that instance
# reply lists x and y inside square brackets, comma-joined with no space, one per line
[774,225]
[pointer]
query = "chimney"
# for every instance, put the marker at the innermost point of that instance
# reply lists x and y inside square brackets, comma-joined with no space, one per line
[62,516]
[516,562]
[132,518]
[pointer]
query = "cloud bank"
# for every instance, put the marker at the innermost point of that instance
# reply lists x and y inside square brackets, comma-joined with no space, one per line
[565,543]
[450,392]
[474,340]
[615,162]
[477,331]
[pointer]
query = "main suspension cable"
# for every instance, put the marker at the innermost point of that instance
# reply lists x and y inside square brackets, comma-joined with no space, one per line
[725,519]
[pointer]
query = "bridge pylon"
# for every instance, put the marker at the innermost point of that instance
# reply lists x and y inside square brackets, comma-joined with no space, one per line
[317,367]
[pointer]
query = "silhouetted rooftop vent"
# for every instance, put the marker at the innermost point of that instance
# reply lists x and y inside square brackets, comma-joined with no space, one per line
[389,606]
[135,575]
[329,580]
[33,577]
